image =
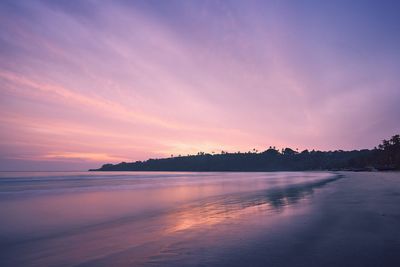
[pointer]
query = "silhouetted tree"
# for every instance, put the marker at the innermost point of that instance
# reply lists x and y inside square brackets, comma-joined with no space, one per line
[288,152]
[386,156]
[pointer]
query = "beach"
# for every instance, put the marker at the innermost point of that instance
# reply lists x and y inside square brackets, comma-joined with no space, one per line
[200,219]
[355,223]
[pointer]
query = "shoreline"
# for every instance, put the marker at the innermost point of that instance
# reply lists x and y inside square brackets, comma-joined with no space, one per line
[303,219]
[355,223]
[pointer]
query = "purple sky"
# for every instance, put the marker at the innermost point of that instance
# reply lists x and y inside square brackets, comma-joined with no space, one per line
[85,83]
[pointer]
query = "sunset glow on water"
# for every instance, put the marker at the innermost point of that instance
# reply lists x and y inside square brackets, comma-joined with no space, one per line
[77,218]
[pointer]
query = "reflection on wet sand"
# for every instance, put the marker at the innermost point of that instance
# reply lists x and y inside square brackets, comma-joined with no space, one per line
[145,238]
[215,210]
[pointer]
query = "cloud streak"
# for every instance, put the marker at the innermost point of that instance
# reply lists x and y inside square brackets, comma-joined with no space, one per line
[127,81]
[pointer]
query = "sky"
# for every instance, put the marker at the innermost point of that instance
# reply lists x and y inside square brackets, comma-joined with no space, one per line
[84,83]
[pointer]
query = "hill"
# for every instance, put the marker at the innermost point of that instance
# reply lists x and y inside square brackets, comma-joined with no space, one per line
[384,157]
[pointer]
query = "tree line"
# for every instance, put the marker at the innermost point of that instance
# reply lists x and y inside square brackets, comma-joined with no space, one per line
[384,157]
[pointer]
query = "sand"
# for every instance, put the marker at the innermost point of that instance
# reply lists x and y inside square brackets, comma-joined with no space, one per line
[356,222]
[353,221]
[348,219]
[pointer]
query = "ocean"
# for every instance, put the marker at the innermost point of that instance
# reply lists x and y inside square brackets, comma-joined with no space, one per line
[149,218]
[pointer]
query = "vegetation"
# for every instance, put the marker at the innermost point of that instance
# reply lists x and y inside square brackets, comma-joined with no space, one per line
[384,157]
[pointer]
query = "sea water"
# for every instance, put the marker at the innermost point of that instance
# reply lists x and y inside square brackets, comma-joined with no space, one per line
[144,218]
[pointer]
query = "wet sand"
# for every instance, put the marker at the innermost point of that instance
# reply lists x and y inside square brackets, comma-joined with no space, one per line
[271,219]
[354,222]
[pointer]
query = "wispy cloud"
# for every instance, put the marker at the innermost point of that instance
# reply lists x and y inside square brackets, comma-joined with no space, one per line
[123,80]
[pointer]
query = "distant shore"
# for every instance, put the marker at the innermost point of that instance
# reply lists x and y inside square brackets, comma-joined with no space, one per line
[384,157]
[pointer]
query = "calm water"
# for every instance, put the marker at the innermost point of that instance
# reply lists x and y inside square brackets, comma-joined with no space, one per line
[140,219]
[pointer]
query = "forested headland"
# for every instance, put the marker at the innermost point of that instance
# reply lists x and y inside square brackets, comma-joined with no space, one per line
[386,156]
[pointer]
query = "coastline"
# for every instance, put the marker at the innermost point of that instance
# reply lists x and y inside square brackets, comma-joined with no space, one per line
[344,219]
[356,223]
[353,221]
